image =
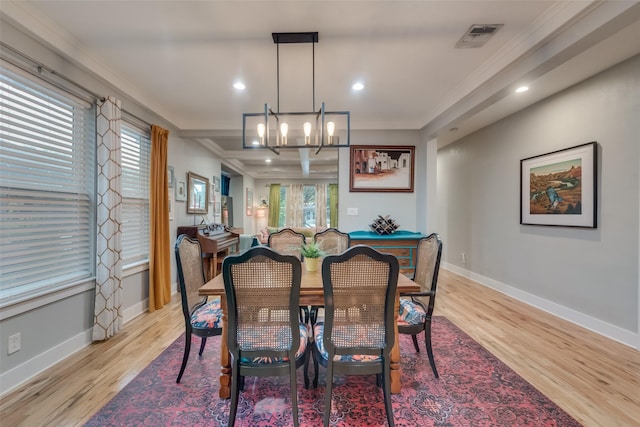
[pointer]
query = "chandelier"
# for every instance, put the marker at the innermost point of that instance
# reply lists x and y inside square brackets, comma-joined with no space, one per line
[275,130]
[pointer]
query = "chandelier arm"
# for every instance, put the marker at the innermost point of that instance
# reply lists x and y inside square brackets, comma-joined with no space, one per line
[313,75]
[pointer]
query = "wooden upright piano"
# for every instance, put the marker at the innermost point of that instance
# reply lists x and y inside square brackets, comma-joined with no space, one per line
[216,242]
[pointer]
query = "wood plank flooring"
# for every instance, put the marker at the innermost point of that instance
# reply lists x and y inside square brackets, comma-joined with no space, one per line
[594,379]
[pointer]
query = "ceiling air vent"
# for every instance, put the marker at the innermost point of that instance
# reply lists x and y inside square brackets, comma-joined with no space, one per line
[477,35]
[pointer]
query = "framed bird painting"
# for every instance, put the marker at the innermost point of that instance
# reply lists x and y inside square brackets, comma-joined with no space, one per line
[559,188]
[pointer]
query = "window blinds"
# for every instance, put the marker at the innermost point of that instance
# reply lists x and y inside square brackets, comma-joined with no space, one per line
[47,185]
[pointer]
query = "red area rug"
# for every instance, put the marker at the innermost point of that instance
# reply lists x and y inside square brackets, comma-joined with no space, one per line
[474,389]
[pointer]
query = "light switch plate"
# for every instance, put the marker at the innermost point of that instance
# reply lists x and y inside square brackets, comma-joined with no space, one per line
[352,211]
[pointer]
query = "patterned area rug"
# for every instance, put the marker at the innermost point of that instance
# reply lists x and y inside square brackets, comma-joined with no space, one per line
[474,389]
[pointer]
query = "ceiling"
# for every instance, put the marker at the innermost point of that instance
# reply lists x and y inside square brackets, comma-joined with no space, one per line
[181,58]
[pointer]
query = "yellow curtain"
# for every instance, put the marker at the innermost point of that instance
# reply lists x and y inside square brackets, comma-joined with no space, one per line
[159,238]
[333,205]
[274,205]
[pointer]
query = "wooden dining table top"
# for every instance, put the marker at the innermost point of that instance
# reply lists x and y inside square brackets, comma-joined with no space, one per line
[310,285]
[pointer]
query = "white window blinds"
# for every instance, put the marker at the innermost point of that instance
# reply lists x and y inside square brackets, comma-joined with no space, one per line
[136,154]
[47,182]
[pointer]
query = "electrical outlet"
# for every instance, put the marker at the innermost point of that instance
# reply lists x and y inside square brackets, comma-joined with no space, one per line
[464,258]
[14,343]
[352,211]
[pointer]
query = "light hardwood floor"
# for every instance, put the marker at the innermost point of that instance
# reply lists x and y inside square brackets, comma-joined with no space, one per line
[594,379]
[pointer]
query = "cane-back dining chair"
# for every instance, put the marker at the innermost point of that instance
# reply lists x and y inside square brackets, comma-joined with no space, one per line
[332,242]
[265,337]
[287,242]
[202,318]
[416,309]
[357,333]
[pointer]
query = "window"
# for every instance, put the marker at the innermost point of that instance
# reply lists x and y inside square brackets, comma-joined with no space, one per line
[47,186]
[309,206]
[136,152]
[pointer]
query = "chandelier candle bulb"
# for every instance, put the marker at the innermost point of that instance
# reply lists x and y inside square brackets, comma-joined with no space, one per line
[307,133]
[261,133]
[284,128]
[331,127]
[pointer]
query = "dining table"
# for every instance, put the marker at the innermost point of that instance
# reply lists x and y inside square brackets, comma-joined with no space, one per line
[311,294]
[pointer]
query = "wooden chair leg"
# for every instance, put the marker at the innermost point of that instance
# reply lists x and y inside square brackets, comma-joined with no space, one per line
[427,342]
[185,356]
[415,343]
[203,342]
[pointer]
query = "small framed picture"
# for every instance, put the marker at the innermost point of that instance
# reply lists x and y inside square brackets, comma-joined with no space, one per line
[181,191]
[170,176]
[559,188]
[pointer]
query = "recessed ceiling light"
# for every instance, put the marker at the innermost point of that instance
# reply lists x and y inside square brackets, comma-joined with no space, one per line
[239,86]
[357,86]
[522,89]
[255,142]
[267,160]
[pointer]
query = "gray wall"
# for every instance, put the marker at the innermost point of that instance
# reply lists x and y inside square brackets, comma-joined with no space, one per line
[57,325]
[589,276]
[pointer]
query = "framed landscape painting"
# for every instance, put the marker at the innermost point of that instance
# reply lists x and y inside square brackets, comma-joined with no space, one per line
[381,168]
[559,188]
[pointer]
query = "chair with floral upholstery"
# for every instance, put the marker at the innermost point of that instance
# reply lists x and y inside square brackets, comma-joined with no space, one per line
[416,311]
[265,336]
[357,333]
[202,318]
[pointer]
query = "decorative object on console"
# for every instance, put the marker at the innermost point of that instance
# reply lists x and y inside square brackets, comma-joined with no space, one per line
[384,225]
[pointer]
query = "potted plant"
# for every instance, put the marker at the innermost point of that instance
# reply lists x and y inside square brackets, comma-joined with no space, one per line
[312,254]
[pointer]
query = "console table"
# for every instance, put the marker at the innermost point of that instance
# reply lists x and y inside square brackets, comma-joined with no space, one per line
[403,244]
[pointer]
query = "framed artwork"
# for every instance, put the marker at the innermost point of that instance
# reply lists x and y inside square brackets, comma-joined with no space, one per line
[212,194]
[381,168]
[249,202]
[559,188]
[172,207]
[170,176]
[216,207]
[216,184]
[197,194]
[181,191]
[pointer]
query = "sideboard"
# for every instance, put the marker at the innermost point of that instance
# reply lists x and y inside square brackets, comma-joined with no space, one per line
[403,244]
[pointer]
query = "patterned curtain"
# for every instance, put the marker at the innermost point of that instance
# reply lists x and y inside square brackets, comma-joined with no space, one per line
[274,205]
[333,205]
[108,301]
[159,238]
[295,214]
[321,205]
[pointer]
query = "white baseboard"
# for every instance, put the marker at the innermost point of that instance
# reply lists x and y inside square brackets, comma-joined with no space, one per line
[22,373]
[593,324]
[15,377]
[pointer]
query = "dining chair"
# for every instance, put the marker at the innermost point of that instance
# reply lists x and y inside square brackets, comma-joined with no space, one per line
[265,336]
[416,311]
[357,333]
[287,242]
[202,318]
[332,242]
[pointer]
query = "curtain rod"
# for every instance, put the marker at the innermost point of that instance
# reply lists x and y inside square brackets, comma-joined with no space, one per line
[40,67]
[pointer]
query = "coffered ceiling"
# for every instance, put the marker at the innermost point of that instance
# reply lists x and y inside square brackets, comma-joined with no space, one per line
[181,58]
